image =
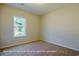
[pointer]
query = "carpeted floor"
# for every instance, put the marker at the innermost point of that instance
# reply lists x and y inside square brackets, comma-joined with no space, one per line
[39,48]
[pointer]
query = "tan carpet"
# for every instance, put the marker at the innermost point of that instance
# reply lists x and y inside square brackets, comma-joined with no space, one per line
[39,48]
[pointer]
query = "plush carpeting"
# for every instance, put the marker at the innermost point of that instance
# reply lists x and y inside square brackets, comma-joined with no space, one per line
[39,48]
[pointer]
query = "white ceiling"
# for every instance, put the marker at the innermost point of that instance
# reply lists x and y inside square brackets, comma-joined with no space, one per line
[38,8]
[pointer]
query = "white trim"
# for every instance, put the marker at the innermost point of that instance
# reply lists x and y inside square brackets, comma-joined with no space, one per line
[62,45]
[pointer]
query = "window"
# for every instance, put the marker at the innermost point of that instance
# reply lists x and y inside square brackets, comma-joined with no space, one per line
[19,26]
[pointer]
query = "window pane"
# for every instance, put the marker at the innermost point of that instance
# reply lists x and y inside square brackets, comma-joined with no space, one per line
[19,26]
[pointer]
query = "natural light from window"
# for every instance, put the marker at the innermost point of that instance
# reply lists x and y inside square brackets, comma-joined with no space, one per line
[19,27]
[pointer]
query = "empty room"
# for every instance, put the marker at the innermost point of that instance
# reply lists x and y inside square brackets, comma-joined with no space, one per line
[39,29]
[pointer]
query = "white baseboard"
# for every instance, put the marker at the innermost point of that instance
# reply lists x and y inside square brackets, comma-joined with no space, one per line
[62,45]
[17,44]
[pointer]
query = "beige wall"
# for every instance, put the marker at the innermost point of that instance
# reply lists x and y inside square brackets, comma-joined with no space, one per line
[33,26]
[0,25]
[61,27]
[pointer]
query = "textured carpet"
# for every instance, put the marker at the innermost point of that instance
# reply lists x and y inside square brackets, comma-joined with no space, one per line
[39,48]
